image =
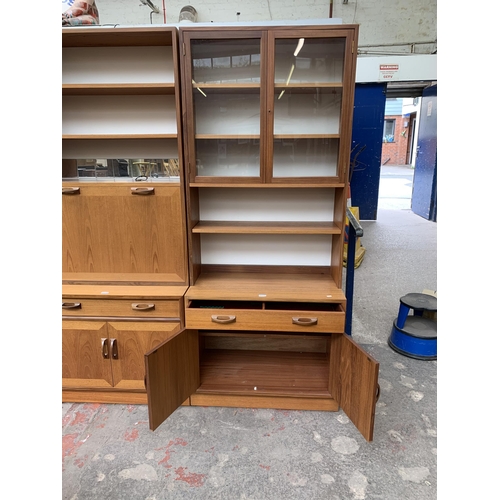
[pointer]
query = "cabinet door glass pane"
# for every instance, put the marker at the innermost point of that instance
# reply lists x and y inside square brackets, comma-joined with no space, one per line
[226,102]
[307,106]
[309,60]
[226,61]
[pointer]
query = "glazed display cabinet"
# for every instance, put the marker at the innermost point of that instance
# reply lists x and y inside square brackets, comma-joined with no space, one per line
[267,131]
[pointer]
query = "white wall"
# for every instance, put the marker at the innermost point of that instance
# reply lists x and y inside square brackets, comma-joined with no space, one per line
[386,26]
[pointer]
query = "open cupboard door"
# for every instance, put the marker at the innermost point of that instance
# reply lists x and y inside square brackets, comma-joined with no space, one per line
[359,389]
[172,375]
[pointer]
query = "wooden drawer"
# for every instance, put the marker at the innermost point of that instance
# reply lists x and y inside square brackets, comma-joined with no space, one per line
[265,316]
[130,308]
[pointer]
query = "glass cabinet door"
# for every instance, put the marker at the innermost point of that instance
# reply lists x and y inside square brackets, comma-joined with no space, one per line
[226,104]
[308,81]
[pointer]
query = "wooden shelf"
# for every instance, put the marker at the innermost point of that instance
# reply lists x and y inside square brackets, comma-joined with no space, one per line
[118,89]
[271,286]
[118,136]
[312,183]
[97,36]
[244,227]
[264,372]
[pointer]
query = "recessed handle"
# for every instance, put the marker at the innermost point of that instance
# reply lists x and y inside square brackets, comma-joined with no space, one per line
[143,307]
[70,190]
[143,190]
[305,321]
[216,318]
[71,305]
[105,348]
[114,348]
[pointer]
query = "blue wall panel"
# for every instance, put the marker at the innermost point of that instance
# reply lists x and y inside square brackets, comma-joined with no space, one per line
[366,147]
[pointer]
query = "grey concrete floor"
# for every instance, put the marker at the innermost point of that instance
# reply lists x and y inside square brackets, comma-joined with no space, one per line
[108,451]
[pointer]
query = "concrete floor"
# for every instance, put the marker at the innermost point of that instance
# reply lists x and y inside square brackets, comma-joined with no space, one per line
[108,451]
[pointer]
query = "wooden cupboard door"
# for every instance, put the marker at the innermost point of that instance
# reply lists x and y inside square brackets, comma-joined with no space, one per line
[84,346]
[114,233]
[129,341]
[358,386]
[172,375]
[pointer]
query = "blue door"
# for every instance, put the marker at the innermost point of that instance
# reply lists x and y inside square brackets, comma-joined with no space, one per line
[366,147]
[424,196]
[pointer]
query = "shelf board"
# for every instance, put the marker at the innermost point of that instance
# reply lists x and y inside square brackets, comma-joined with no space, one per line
[97,36]
[264,373]
[118,89]
[247,227]
[308,85]
[227,136]
[119,136]
[228,86]
[296,184]
[267,286]
[306,136]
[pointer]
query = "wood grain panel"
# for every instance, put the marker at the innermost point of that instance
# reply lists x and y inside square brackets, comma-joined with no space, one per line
[266,320]
[264,372]
[106,229]
[133,340]
[172,375]
[82,362]
[359,382]
[275,402]
[269,286]
[266,342]
[113,397]
[112,307]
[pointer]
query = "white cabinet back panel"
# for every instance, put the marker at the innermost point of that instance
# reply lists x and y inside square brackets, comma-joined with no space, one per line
[120,148]
[115,115]
[120,65]
[265,250]
[239,204]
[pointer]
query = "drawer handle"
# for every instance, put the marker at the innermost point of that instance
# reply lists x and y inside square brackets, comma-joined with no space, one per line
[104,348]
[143,307]
[143,190]
[70,190]
[114,348]
[223,319]
[71,305]
[305,321]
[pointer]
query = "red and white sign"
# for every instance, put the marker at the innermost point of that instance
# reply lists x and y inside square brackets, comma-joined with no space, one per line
[388,71]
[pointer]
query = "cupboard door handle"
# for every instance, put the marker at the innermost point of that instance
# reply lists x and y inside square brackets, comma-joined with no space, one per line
[114,349]
[104,348]
[143,190]
[143,307]
[71,305]
[305,321]
[70,190]
[223,319]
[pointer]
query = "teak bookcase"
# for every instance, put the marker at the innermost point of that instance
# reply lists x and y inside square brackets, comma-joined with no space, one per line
[256,248]
[124,250]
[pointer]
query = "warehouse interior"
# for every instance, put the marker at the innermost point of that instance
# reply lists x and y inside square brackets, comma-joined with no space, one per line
[207,452]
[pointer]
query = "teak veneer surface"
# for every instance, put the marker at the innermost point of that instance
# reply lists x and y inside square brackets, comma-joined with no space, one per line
[276,287]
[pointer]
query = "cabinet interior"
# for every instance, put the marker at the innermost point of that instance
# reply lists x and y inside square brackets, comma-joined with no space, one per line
[264,363]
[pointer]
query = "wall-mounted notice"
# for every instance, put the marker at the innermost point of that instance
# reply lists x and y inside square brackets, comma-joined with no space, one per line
[388,71]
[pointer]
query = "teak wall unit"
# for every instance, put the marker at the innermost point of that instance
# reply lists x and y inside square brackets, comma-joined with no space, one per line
[266,120]
[124,254]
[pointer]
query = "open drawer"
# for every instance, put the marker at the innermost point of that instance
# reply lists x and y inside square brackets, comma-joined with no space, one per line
[265,316]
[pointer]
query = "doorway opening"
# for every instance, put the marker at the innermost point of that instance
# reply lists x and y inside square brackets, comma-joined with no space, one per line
[399,142]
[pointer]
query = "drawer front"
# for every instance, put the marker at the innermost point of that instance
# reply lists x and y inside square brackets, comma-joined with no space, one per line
[164,308]
[266,320]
